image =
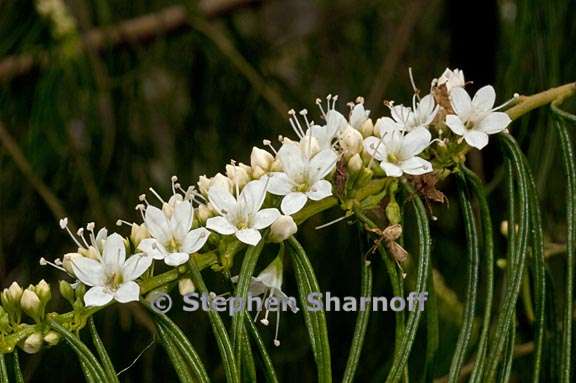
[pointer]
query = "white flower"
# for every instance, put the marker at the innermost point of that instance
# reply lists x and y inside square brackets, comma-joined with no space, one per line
[397,151]
[303,178]
[282,229]
[420,115]
[112,276]
[325,135]
[269,284]
[475,118]
[452,79]
[358,115]
[172,240]
[241,216]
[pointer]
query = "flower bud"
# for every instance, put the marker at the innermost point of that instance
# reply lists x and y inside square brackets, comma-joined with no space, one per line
[203,184]
[52,338]
[186,286]
[31,304]
[138,233]
[220,180]
[260,158]
[67,291]
[11,296]
[393,212]
[43,292]
[355,164]
[203,212]
[33,343]
[282,229]
[367,128]
[351,142]
[238,175]
[91,252]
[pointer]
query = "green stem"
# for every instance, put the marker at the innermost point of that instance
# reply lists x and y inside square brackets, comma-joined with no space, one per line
[3,370]
[528,103]
[102,353]
[17,370]
[269,371]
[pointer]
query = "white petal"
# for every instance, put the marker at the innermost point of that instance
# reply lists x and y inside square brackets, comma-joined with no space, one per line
[127,292]
[374,147]
[157,223]
[358,116]
[416,166]
[292,159]
[152,248]
[455,124]
[195,240]
[322,164]
[476,138]
[181,219]
[221,198]
[414,143]
[135,266]
[280,184]
[461,103]
[384,125]
[97,296]
[320,190]
[249,236]
[176,259]
[114,250]
[484,99]
[265,218]
[293,203]
[253,195]
[88,271]
[391,170]
[494,123]
[220,225]
[335,123]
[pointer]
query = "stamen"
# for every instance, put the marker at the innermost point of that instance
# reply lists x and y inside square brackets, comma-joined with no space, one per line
[80,233]
[142,198]
[296,126]
[140,207]
[276,341]
[319,103]
[513,99]
[121,222]
[334,99]
[90,226]
[64,226]
[174,180]
[268,143]
[45,262]
[416,90]
[157,195]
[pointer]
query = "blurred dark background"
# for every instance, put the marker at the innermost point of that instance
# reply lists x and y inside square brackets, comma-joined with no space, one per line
[100,99]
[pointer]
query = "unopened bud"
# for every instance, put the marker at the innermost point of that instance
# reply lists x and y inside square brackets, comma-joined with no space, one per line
[33,343]
[138,233]
[52,338]
[261,158]
[367,128]
[11,296]
[393,212]
[67,262]
[186,286]
[282,229]
[203,212]
[31,304]
[67,291]
[43,292]
[203,184]
[355,164]
[238,175]
[351,142]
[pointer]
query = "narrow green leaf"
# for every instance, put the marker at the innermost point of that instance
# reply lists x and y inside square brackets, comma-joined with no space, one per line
[244,278]
[174,354]
[88,371]
[248,367]
[400,360]
[361,322]
[3,370]
[81,350]
[222,339]
[316,322]
[102,353]
[504,375]
[471,284]
[517,256]
[177,338]
[18,377]
[479,192]
[432,329]
[267,364]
